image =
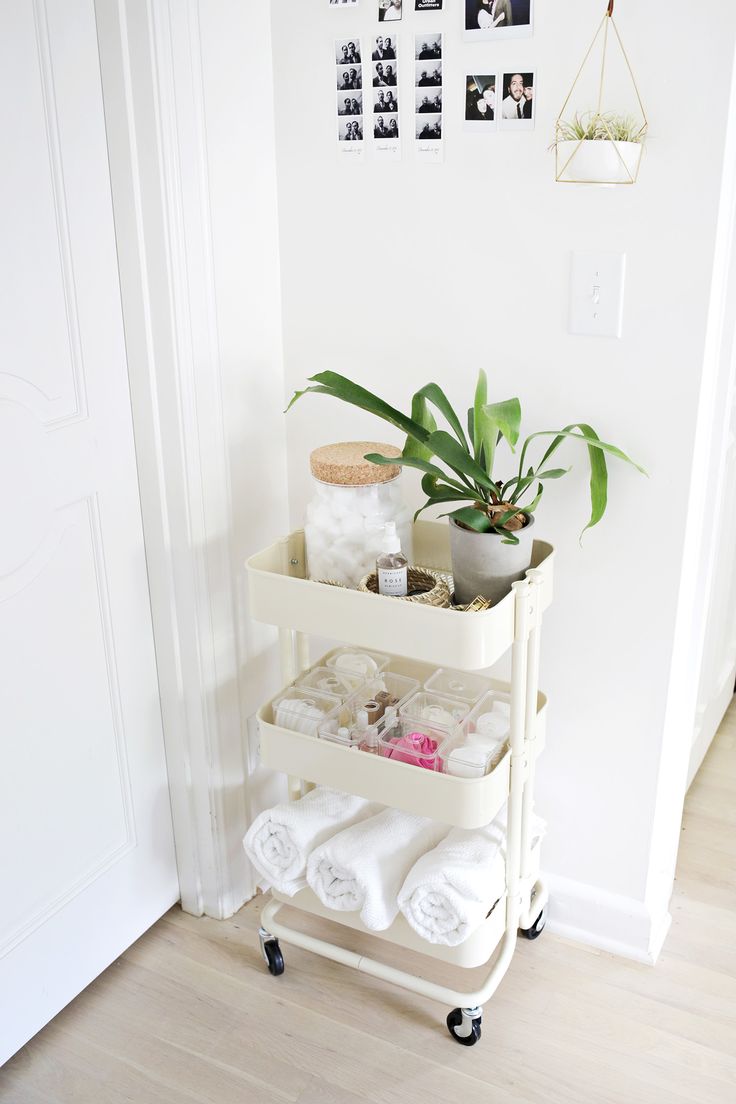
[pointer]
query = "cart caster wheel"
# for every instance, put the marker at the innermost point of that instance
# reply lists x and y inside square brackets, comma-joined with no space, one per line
[464,1025]
[537,927]
[274,957]
[271,952]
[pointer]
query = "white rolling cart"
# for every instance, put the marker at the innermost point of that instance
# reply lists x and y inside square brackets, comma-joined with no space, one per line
[424,637]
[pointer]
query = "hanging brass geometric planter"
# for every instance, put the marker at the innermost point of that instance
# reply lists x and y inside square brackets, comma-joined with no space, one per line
[599,145]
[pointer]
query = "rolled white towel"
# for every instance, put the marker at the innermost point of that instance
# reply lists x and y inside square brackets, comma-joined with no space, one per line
[363,868]
[280,840]
[449,891]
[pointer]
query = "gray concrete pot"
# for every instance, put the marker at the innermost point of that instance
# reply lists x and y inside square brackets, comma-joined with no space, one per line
[483,564]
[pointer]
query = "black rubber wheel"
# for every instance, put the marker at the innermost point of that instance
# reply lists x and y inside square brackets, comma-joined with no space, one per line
[455,1020]
[274,957]
[537,927]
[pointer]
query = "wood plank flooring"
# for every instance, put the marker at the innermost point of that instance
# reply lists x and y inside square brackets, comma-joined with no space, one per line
[189,1013]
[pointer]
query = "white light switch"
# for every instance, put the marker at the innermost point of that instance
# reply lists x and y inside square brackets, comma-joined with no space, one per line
[597,293]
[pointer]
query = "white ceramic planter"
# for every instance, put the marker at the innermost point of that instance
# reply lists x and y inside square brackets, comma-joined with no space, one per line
[598,162]
[483,564]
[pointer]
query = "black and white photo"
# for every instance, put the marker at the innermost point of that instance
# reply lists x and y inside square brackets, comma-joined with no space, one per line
[428,47]
[480,100]
[349,78]
[498,19]
[385,99]
[428,103]
[347,51]
[517,101]
[350,130]
[386,127]
[428,5]
[429,128]
[350,105]
[389,11]
[428,74]
[384,74]
[383,49]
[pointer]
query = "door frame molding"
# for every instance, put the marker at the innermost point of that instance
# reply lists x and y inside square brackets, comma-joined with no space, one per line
[150,58]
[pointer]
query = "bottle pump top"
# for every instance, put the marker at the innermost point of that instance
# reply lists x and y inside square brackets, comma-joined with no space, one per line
[391,541]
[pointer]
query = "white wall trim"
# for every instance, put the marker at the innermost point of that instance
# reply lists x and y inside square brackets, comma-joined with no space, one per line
[620,925]
[152,83]
[699,553]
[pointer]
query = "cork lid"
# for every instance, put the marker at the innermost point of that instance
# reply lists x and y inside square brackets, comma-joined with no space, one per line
[344,464]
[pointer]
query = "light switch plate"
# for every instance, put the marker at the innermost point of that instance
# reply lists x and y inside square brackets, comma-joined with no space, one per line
[597,293]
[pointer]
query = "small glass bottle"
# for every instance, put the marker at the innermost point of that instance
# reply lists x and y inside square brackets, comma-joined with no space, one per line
[367,733]
[392,564]
[369,741]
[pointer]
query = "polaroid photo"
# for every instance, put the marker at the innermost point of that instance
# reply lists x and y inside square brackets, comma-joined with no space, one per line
[487,20]
[383,48]
[350,104]
[349,78]
[428,5]
[481,112]
[385,100]
[384,74]
[347,52]
[428,102]
[428,47]
[390,11]
[515,101]
[428,74]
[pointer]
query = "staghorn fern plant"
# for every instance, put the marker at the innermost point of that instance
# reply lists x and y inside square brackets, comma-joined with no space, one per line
[491,505]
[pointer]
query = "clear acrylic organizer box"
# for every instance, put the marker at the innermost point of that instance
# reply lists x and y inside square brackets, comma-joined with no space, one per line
[329,680]
[358,661]
[303,710]
[342,724]
[484,738]
[465,685]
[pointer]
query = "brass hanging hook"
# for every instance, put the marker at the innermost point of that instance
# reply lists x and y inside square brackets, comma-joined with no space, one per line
[609,13]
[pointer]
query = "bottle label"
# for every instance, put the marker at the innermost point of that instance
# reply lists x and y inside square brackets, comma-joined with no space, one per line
[393,581]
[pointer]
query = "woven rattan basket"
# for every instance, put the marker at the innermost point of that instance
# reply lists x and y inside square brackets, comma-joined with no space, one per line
[430,590]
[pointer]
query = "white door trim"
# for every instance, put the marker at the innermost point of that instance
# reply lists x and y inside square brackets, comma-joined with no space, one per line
[152,80]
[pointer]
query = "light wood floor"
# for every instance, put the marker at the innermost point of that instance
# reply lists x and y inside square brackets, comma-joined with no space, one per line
[189,1013]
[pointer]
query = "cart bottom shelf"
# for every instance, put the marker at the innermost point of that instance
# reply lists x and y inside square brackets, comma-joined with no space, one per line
[475,951]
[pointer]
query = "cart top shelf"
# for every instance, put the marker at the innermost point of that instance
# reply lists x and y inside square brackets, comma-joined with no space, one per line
[281,595]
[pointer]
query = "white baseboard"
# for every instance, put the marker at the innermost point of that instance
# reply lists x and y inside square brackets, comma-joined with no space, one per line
[620,925]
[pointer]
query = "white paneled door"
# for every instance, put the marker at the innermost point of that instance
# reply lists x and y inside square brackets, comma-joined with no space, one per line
[86,847]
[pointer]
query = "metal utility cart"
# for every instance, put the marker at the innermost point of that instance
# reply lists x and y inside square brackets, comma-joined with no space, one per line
[422,636]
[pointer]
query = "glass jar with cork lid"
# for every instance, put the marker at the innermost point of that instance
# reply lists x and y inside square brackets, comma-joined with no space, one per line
[352,503]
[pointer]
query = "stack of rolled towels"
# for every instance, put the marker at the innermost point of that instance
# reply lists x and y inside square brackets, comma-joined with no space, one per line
[359,857]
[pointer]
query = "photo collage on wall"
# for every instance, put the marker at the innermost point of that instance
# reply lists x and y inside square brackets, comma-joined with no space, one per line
[385,96]
[350,97]
[503,101]
[428,96]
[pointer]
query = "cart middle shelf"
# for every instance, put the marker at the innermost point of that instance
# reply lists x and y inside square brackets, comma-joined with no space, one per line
[461,802]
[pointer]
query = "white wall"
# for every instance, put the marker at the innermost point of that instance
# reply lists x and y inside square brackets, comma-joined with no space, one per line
[400,273]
